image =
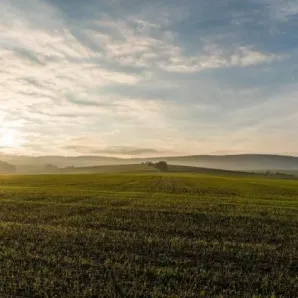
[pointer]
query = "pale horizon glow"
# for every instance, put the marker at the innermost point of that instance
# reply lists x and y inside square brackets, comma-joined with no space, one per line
[10,139]
[144,79]
[7,138]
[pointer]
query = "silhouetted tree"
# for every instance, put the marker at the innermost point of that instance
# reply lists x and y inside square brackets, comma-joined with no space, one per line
[162,166]
[49,168]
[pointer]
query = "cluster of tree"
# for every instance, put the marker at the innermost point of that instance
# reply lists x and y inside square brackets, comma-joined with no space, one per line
[161,165]
[50,168]
[7,168]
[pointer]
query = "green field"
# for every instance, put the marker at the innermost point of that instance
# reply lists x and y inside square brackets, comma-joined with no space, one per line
[148,235]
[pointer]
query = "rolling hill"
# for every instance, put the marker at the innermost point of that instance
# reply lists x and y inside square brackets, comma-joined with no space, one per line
[6,168]
[244,162]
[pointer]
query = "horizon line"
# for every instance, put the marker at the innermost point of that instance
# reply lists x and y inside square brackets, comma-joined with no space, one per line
[147,157]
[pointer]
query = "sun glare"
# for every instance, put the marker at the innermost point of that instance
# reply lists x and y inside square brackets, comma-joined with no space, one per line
[9,138]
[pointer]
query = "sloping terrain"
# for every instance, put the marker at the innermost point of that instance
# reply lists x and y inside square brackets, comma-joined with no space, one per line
[110,169]
[242,162]
[6,168]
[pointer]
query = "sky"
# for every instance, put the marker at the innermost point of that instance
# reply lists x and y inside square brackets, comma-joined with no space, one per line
[148,78]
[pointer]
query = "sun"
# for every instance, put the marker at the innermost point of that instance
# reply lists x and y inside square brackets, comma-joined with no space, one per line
[9,138]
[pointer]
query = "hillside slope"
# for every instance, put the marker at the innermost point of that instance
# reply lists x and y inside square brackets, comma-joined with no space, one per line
[244,162]
[6,168]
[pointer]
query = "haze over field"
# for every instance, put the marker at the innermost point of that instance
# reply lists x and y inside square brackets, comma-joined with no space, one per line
[97,164]
[139,79]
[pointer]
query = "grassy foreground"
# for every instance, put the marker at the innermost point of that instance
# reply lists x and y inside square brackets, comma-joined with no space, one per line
[148,235]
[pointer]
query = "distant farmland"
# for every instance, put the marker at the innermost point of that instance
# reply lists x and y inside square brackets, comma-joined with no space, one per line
[148,235]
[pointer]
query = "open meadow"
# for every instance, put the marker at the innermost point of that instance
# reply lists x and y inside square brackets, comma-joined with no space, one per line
[148,235]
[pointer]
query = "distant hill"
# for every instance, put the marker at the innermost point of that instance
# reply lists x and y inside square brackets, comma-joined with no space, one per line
[139,168]
[146,168]
[110,169]
[61,161]
[191,169]
[6,168]
[244,162]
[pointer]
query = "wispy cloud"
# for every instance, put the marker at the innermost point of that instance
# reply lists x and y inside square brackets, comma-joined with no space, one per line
[140,79]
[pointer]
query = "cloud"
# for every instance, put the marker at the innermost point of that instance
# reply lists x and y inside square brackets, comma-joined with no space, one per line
[283,11]
[155,46]
[192,77]
[215,58]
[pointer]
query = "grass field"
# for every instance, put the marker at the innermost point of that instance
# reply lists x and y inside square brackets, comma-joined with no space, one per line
[148,235]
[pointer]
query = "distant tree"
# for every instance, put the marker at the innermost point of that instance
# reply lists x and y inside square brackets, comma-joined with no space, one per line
[150,163]
[162,166]
[51,168]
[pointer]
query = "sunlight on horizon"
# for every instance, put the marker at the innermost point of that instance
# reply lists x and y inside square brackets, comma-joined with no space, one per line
[10,138]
